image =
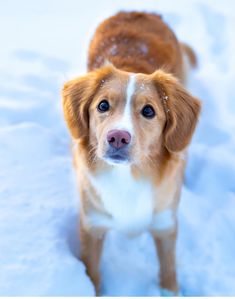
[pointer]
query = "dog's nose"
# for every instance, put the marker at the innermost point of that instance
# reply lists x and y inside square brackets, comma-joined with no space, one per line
[118,138]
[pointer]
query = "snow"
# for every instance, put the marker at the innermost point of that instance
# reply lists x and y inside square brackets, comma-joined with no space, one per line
[43,45]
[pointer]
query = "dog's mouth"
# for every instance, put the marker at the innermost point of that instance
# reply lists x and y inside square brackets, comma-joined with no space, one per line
[117,156]
[117,159]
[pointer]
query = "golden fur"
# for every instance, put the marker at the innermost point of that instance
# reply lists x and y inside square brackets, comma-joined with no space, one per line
[127,38]
[140,43]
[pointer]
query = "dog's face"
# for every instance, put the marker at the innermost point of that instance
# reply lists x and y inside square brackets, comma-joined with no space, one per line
[127,118]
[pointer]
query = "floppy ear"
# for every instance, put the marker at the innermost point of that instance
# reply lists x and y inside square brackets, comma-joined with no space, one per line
[77,95]
[182,111]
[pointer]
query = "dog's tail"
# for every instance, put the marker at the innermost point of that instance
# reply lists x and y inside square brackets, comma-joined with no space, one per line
[189,54]
[189,61]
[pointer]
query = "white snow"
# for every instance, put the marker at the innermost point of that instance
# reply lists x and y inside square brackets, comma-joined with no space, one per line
[43,44]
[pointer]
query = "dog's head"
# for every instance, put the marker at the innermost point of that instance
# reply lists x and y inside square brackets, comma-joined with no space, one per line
[125,118]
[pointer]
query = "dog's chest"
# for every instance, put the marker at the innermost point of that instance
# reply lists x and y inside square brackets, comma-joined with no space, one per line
[128,201]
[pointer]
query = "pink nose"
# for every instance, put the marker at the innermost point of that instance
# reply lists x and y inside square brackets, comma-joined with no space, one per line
[118,138]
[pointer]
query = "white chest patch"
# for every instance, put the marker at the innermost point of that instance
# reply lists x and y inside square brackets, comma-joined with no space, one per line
[129,202]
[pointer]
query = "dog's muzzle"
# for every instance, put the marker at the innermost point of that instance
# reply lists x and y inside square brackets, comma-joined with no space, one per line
[118,148]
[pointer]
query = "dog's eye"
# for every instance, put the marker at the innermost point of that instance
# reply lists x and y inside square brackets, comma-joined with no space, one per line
[148,111]
[103,106]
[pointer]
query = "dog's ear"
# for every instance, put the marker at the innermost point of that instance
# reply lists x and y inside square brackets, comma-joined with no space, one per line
[182,111]
[77,95]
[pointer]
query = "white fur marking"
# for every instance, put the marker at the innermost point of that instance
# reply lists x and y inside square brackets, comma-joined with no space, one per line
[99,220]
[129,202]
[126,121]
[163,220]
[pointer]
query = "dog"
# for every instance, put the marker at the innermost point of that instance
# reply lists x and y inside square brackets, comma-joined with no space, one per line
[131,120]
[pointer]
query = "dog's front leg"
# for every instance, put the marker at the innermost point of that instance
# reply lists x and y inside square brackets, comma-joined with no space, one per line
[91,244]
[165,243]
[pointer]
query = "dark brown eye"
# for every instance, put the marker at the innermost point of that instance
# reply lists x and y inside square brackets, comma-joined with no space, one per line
[103,106]
[148,111]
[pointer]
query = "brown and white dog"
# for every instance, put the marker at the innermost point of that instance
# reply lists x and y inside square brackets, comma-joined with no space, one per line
[131,122]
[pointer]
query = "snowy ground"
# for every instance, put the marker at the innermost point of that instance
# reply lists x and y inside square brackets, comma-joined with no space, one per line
[43,43]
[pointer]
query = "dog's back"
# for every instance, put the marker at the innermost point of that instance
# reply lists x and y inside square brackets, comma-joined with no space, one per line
[136,42]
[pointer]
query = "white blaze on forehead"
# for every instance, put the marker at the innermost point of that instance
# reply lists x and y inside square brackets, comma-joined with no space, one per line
[126,121]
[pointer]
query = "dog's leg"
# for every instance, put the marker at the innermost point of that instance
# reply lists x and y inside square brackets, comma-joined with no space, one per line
[90,252]
[165,244]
